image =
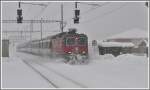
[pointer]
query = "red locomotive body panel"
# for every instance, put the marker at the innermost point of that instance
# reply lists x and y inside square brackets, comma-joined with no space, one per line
[81,49]
[76,47]
[61,47]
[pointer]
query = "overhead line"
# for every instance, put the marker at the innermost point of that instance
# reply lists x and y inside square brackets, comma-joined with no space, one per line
[95,8]
[34,4]
[98,5]
[105,14]
[14,31]
[31,21]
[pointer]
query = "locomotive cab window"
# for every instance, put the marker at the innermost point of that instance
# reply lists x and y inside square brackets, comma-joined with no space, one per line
[82,41]
[70,41]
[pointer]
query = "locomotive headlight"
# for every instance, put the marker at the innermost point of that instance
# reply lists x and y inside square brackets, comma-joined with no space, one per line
[83,52]
[69,52]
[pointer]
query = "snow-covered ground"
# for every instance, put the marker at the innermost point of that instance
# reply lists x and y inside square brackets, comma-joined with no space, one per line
[124,71]
[15,74]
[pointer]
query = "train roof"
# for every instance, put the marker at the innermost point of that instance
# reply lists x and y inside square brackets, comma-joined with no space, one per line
[64,34]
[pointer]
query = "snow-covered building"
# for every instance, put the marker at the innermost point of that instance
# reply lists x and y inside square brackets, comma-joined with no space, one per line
[114,48]
[137,37]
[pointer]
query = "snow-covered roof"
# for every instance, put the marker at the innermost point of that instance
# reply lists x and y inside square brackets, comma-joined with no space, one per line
[115,44]
[132,33]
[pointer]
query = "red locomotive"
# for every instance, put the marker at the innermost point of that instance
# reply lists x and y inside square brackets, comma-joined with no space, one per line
[69,45]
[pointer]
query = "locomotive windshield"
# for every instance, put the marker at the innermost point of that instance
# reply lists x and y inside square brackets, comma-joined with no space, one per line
[82,41]
[76,41]
[70,41]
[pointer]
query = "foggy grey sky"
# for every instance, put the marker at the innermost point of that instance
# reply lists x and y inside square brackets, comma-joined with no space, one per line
[99,23]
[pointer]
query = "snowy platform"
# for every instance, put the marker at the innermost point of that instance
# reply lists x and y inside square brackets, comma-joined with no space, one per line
[16,74]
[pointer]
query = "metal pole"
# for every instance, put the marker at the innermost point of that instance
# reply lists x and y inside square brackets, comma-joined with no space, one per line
[6,34]
[41,28]
[41,33]
[19,4]
[76,5]
[62,18]
[31,29]
[21,35]
[24,37]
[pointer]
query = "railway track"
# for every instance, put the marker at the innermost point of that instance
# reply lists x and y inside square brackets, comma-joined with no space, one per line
[63,76]
[51,84]
[47,73]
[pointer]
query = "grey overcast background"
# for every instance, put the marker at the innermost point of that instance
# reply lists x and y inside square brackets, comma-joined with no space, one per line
[97,22]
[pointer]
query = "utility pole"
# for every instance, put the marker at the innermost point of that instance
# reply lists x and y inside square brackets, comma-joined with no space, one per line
[41,29]
[6,34]
[21,36]
[76,6]
[31,29]
[62,18]
[41,33]
[19,4]
[147,4]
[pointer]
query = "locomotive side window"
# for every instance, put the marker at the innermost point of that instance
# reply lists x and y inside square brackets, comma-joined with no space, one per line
[82,41]
[70,41]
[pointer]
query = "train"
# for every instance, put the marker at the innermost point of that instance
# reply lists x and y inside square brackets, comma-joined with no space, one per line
[70,45]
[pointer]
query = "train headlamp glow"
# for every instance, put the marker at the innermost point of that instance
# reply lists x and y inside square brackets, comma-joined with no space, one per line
[69,52]
[83,52]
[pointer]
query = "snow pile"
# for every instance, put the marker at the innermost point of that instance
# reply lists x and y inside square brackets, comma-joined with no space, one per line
[106,57]
[115,44]
[132,59]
